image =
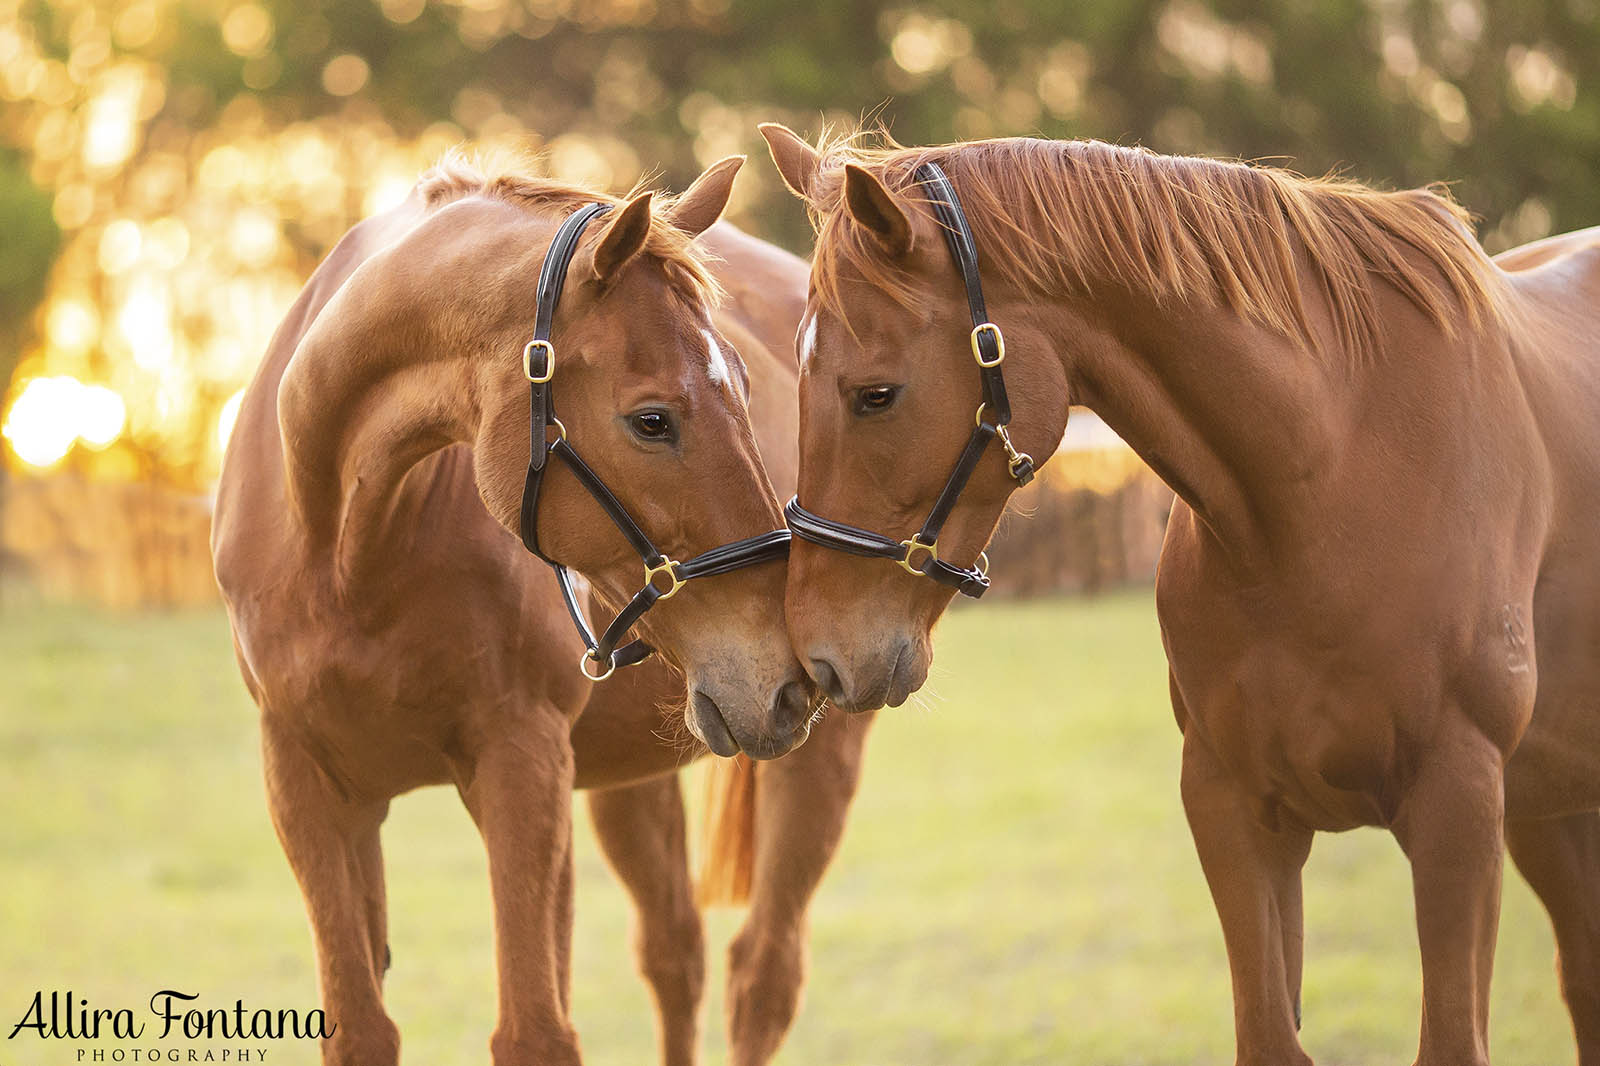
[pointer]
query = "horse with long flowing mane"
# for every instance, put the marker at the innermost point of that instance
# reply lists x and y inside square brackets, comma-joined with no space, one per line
[1380,589]
[395,633]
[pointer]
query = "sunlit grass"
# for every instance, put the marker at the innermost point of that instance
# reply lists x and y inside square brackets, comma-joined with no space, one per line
[1017,885]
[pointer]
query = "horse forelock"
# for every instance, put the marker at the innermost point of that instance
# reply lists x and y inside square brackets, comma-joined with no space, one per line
[503,176]
[1060,216]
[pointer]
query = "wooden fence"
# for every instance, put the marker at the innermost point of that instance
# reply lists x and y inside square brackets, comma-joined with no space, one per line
[1092,520]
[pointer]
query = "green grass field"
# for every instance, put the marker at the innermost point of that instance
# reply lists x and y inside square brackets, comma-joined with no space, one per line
[1017,884]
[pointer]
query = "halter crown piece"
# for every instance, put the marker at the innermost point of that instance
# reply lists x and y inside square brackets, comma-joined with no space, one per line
[920,554]
[663,576]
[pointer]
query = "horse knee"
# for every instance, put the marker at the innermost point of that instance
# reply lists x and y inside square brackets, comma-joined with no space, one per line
[766,973]
[674,961]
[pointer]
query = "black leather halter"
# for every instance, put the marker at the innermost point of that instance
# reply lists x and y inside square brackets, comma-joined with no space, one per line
[663,577]
[920,554]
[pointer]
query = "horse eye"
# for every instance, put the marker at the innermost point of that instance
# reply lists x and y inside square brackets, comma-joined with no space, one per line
[875,398]
[651,425]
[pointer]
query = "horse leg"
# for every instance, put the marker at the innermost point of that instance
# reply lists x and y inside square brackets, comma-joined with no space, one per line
[1450,827]
[1254,875]
[801,803]
[331,841]
[517,784]
[641,830]
[1560,857]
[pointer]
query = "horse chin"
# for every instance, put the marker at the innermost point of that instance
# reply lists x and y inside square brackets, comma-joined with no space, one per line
[909,673]
[783,727]
[705,721]
[887,677]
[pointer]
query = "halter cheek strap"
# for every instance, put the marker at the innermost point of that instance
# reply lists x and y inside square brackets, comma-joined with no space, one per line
[920,554]
[663,576]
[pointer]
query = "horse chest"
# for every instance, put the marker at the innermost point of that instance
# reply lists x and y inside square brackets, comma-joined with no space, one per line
[1299,746]
[1308,728]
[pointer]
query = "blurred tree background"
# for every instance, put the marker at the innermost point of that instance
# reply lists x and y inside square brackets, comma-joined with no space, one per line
[171,170]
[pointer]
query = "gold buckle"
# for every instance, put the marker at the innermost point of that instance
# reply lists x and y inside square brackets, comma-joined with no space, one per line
[549,361]
[561,430]
[911,546]
[588,657]
[999,344]
[668,567]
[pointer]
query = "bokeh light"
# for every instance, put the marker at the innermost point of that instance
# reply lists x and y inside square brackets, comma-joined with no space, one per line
[50,415]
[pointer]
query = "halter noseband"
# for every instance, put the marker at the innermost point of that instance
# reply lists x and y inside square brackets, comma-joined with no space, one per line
[920,554]
[539,367]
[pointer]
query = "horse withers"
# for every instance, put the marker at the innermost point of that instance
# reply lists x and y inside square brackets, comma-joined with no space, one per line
[387,621]
[1380,590]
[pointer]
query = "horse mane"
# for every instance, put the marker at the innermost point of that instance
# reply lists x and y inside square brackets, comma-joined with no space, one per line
[503,175]
[1070,213]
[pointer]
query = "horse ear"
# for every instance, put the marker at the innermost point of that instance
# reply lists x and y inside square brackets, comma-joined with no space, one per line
[875,207]
[702,202]
[624,238]
[797,161]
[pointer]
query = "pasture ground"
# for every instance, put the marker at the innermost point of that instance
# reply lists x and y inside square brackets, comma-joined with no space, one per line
[1017,884]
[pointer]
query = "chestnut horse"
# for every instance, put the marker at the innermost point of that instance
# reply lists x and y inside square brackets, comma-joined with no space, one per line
[1386,450]
[395,634]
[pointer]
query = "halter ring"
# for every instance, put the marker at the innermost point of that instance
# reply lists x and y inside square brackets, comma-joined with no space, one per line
[912,546]
[999,344]
[977,419]
[670,568]
[549,361]
[587,658]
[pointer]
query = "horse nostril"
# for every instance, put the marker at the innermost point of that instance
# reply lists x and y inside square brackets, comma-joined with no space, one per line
[791,706]
[827,679]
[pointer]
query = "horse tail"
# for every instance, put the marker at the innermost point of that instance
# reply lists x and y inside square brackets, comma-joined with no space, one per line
[728,833]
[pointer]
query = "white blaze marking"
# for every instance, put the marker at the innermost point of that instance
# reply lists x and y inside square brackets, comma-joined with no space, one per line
[808,340]
[716,366]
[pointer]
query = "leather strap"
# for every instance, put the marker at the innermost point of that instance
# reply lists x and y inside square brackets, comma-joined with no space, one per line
[812,527]
[537,356]
[964,250]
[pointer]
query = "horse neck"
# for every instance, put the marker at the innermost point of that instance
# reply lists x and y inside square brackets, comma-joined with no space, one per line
[1236,419]
[355,422]
[382,379]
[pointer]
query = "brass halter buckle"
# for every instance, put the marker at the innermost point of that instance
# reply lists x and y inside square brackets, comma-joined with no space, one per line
[913,546]
[549,361]
[587,658]
[670,568]
[999,344]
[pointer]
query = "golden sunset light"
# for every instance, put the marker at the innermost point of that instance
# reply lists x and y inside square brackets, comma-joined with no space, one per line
[52,414]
